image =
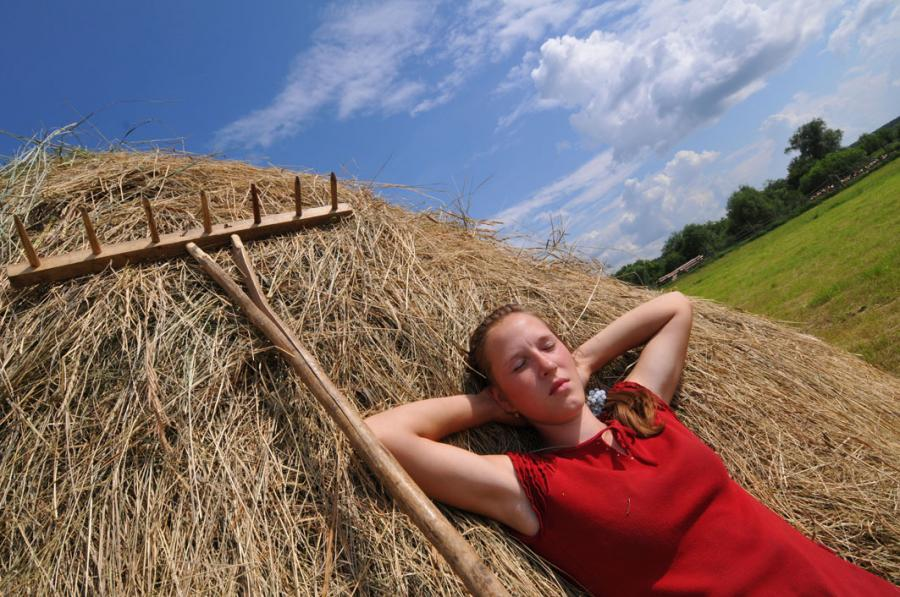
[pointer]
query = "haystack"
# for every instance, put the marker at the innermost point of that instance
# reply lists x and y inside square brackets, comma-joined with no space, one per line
[153,442]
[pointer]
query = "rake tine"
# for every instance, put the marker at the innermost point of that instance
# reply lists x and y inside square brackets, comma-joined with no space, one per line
[334,201]
[89,228]
[254,197]
[26,244]
[151,223]
[204,212]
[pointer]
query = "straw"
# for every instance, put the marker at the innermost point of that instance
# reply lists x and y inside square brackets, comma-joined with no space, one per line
[153,442]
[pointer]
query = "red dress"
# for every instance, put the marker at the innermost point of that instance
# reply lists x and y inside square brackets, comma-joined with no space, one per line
[666,519]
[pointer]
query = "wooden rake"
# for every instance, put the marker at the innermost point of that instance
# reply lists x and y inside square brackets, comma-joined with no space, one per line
[478,579]
[62,267]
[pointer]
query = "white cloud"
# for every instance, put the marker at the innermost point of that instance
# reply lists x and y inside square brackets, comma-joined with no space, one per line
[693,186]
[596,15]
[635,224]
[355,63]
[860,22]
[589,182]
[361,58]
[674,68]
[859,104]
[867,96]
[678,194]
[486,31]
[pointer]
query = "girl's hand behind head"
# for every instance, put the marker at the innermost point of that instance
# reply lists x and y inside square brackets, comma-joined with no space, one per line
[499,414]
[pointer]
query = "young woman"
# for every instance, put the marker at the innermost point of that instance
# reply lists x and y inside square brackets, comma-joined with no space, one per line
[627,503]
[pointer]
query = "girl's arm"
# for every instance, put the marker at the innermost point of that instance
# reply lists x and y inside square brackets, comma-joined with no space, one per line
[482,484]
[664,324]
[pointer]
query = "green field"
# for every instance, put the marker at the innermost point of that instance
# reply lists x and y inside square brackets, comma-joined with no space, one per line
[833,271]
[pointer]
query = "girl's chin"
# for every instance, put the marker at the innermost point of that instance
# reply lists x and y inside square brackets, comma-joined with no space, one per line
[565,414]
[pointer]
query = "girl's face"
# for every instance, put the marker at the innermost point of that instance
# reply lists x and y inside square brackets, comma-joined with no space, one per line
[532,371]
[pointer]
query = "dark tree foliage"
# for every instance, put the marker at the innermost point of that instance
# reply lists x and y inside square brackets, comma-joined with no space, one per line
[697,239]
[788,199]
[874,142]
[643,271]
[886,135]
[796,169]
[749,210]
[814,140]
[869,142]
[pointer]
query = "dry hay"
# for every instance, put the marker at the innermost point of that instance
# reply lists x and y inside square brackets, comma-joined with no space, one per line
[153,442]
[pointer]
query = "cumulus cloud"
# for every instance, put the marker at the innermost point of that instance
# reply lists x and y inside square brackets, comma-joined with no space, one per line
[671,67]
[667,200]
[486,31]
[693,186]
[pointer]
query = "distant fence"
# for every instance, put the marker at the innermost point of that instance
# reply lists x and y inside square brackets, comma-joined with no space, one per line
[839,184]
[684,267]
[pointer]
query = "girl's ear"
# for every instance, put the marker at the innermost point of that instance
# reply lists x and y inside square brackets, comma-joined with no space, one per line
[501,399]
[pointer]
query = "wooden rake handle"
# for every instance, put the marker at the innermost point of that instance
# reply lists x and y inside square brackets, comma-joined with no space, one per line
[478,579]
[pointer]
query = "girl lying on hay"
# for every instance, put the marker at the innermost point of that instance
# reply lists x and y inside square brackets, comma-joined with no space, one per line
[626,502]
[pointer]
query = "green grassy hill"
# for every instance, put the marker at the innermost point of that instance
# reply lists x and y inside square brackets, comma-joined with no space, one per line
[833,271]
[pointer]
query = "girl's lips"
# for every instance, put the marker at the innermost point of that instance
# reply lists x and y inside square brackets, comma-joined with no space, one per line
[557,385]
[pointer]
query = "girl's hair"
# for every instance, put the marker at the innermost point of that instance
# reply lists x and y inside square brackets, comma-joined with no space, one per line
[631,406]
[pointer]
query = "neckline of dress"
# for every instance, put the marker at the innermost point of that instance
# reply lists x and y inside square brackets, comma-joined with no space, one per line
[611,425]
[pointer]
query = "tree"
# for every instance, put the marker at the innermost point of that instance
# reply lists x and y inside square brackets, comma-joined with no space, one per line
[887,134]
[672,260]
[869,142]
[783,196]
[643,271]
[797,168]
[748,210]
[814,140]
[695,239]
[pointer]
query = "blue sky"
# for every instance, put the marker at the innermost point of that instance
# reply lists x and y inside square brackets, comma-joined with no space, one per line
[620,121]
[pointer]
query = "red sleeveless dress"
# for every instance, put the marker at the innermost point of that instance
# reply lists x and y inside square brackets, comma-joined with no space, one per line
[665,518]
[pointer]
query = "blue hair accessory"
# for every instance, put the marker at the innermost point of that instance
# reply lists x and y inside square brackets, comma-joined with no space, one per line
[596,399]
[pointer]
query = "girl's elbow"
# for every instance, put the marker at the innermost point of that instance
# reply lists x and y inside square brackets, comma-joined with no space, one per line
[377,426]
[388,430]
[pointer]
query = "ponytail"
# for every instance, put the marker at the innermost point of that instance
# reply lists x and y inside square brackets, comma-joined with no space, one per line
[634,406]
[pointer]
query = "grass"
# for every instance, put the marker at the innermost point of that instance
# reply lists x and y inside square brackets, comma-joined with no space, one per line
[833,271]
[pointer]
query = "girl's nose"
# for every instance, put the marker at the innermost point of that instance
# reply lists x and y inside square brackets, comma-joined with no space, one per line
[547,365]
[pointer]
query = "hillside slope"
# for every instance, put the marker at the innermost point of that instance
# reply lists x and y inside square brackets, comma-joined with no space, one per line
[834,271]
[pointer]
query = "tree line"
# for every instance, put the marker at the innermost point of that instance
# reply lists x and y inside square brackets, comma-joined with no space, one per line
[817,170]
